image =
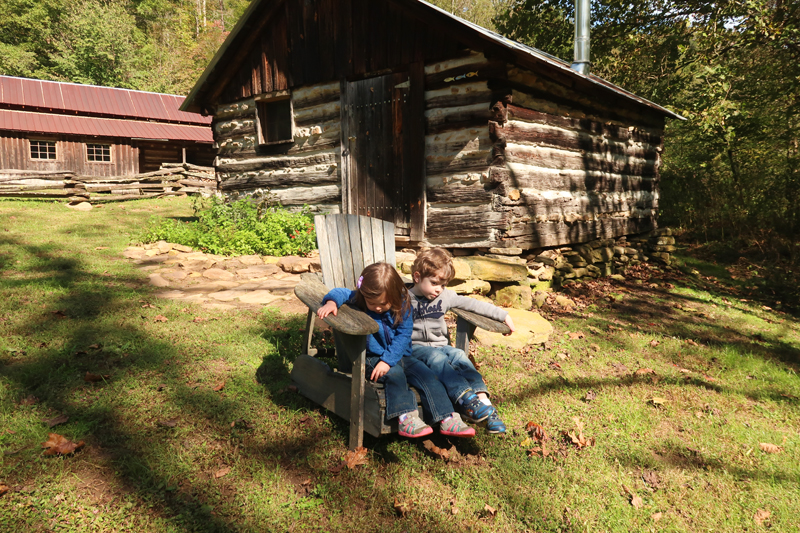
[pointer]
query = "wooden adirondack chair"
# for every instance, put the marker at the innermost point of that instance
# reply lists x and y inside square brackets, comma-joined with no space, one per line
[347,244]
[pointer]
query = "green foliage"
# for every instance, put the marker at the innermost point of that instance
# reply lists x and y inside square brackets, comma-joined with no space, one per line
[241,227]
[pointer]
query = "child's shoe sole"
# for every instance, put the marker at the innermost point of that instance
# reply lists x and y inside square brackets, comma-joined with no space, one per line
[469,432]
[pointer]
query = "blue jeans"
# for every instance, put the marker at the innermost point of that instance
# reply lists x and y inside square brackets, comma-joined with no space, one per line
[399,398]
[452,367]
[436,405]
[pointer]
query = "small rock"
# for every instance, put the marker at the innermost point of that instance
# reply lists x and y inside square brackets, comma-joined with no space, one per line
[530,327]
[250,260]
[470,286]
[81,206]
[294,265]
[218,274]
[158,281]
[565,302]
[506,251]
[514,296]
[539,298]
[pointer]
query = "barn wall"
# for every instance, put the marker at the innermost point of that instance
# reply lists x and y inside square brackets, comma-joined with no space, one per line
[548,167]
[306,171]
[70,153]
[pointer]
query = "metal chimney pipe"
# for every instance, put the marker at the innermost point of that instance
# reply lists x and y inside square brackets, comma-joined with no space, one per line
[582,23]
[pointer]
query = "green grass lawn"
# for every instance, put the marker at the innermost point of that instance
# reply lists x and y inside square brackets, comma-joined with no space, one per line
[677,380]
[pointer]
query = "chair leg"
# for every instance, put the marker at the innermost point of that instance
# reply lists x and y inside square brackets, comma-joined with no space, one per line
[356,346]
[464,332]
[309,333]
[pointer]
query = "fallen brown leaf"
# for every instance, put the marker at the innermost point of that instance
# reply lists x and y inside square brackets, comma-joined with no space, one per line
[574,335]
[57,420]
[536,431]
[769,448]
[654,343]
[148,306]
[590,395]
[160,318]
[170,423]
[335,469]
[761,516]
[29,400]
[222,472]
[60,314]
[489,510]
[198,319]
[656,516]
[652,479]
[219,387]
[356,457]
[93,378]
[595,347]
[453,508]
[401,507]
[577,437]
[441,453]
[644,372]
[4,489]
[636,501]
[690,342]
[57,444]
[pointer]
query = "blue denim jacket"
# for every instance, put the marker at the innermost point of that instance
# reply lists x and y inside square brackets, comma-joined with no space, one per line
[391,342]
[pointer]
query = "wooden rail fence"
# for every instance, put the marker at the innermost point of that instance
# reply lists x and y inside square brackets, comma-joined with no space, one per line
[172,179]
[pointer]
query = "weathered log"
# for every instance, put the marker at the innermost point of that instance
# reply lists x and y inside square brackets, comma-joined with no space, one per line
[539,235]
[460,194]
[277,179]
[317,114]
[459,95]
[542,156]
[314,95]
[326,157]
[522,176]
[476,160]
[237,109]
[551,205]
[617,132]
[543,134]
[464,222]
[451,118]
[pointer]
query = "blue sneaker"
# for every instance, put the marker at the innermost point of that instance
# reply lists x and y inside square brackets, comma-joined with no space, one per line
[494,425]
[474,409]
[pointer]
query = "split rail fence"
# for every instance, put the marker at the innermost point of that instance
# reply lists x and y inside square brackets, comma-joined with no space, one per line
[172,179]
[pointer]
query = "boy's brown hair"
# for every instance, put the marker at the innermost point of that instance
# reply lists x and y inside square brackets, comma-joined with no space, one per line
[434,262]
[382,278]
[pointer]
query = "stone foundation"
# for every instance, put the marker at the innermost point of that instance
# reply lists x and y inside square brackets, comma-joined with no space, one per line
[514,281]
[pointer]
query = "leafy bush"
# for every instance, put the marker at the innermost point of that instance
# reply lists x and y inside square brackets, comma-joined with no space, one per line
[240,227]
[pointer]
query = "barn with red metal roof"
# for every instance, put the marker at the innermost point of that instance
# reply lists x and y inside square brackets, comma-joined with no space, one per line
[96,131]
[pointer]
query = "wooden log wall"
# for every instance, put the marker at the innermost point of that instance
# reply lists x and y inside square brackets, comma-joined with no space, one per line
[71,155]
[548,167]
[305,172]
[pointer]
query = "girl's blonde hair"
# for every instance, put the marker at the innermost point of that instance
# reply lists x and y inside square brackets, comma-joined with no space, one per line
[382,278]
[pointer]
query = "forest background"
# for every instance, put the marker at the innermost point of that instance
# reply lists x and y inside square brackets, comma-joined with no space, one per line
[731,171]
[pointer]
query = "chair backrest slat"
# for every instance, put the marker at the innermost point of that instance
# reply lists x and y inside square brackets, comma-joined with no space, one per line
[348,243]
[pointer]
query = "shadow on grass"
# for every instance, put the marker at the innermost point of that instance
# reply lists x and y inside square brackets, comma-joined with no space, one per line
[143,454]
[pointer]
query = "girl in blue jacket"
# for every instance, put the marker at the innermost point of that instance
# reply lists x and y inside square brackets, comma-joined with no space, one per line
[381,293]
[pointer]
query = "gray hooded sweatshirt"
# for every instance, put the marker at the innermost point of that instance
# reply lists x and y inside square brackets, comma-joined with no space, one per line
[430,328]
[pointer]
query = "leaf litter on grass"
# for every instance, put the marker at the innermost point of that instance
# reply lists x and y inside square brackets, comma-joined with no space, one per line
[59,445]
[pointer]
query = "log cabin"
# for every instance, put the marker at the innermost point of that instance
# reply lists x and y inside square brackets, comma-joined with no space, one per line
[96,131]
[399,110]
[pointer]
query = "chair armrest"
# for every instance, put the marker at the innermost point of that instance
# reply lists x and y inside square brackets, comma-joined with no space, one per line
[481,321]
[348,320]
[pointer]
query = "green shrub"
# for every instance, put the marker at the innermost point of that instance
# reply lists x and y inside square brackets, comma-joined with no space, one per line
[240,227]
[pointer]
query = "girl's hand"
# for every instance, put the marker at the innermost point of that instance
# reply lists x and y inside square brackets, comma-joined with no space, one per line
[327,309]
[510,323]
[379,371]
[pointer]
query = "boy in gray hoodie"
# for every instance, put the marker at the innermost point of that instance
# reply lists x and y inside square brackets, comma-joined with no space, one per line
[430,300]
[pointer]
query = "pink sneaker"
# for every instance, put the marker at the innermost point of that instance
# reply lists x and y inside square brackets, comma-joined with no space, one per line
[413,426]
[455,427]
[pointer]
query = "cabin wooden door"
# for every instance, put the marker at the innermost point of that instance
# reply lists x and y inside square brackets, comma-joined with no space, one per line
[383,150]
